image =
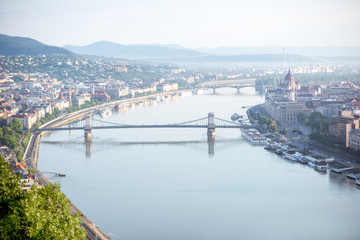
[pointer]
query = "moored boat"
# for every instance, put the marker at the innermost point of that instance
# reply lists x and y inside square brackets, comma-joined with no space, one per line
[253,136]
[290,157]
[235,116]
[318,164]
[271,147]
[353,175]
[303,160]
[106,112]
[279,151]
[357,181]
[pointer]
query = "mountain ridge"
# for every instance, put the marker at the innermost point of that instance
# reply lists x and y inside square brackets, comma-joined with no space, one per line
[111,49]
[10,45]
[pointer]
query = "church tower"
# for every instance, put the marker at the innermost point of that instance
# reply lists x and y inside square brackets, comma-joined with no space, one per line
[70,102]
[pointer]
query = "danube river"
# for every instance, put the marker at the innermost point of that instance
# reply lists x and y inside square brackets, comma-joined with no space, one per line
[169,184]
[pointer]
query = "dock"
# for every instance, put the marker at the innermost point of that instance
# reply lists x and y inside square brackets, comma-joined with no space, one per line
[353,175]
[340,170]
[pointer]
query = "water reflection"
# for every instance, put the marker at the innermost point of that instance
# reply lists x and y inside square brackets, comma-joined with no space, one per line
[91,147]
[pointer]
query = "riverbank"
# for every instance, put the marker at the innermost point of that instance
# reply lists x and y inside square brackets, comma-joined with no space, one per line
[303,143]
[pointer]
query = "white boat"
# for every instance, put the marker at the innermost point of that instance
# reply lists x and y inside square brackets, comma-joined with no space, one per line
[298,156]
[271,147]
[106,112]
[303,160]
[290,157]
[253,136]
[317,163]
[279,151]
[357,181]
[330,159]
[186,93]
[353,175]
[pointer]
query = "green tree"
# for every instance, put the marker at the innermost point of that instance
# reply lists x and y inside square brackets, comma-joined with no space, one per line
[301,117]
[283,131]
[314,116]
[272,126]
[263,120]
[319,123]
[49,216]
[41,213]
[15,124]
[12,212]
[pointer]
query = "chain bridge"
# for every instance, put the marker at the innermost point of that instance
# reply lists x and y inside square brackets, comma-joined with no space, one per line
[210,123]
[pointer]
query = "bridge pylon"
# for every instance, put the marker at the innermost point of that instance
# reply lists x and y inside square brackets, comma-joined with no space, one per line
[87,128]
[211,127]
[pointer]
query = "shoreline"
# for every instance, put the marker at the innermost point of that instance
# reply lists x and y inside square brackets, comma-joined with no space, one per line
[341,158]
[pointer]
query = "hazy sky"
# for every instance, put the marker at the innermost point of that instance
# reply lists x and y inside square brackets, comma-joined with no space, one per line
[191,23]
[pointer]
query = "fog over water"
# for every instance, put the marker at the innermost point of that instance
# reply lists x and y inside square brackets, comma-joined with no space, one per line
[164,183]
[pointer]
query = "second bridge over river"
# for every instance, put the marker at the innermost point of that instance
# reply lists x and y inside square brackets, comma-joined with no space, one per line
[210,123]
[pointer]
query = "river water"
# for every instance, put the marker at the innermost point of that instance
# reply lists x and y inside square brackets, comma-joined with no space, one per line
[170,184]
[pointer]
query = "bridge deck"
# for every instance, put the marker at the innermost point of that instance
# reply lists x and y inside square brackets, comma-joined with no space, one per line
[141,126]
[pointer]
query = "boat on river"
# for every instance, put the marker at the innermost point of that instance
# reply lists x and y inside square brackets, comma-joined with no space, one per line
[303,160]
[290,157]
[235,116]
[318,164]
[357,181]
[106,112]
[279,151]
[353,175]
[271,147]
[253,136]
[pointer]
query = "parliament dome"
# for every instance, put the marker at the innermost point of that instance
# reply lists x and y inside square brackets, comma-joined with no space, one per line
[289,77]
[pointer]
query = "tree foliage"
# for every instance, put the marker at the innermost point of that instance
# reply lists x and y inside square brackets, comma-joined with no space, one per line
[12,212]
[15,124]
[9,136]
[41,213]
[272,126]
[301,117]
[319,123]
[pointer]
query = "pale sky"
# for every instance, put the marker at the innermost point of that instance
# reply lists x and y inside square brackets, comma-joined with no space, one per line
[190,23]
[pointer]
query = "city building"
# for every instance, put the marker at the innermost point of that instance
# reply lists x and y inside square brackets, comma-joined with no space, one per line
[167,87]
[354,139]
[101,96]
[341,125]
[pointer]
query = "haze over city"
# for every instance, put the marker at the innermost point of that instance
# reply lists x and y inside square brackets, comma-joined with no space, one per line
[180,119]
[191,24]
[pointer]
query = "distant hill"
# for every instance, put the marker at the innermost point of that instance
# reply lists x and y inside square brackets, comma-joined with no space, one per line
[110,49]
[254,58]
[27,46]
[335,51]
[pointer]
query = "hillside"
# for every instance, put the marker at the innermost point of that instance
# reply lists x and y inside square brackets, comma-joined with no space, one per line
[27,46]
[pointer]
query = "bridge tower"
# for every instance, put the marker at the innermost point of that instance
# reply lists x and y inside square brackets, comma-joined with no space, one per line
[211,126]
[87,128]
